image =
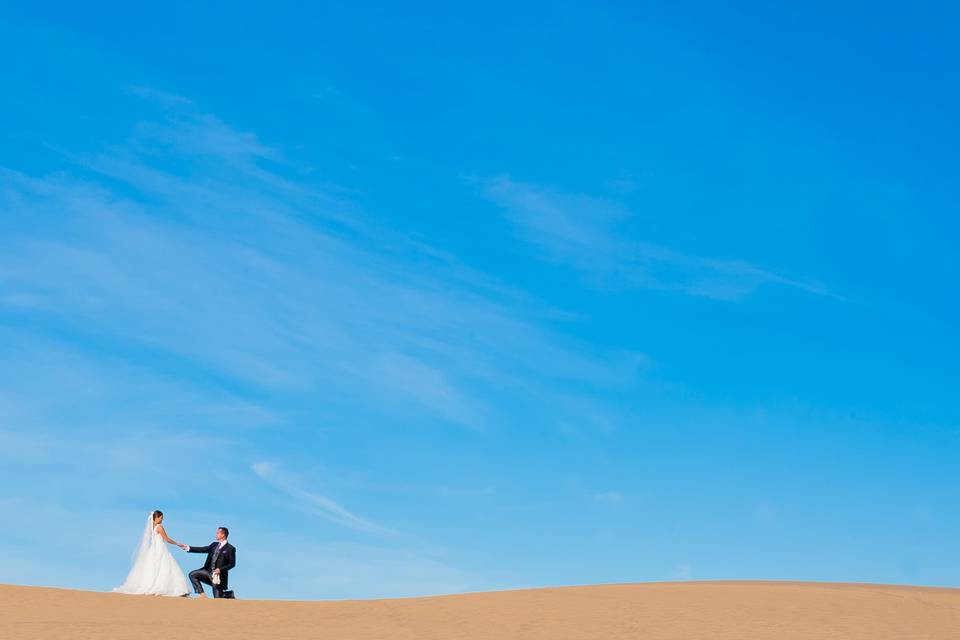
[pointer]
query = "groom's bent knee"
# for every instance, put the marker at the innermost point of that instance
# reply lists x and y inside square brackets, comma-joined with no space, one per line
[196,577]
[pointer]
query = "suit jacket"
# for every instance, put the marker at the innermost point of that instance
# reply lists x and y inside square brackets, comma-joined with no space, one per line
[225,561]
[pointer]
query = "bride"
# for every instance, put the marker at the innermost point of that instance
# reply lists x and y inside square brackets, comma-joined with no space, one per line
[154,571]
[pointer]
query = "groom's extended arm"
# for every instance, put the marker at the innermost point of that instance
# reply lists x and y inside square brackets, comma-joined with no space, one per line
[205,549]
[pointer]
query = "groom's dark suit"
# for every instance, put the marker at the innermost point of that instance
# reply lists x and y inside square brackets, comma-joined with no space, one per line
[223,558]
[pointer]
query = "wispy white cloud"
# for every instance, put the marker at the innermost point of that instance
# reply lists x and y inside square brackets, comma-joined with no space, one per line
[428,386]
[314,502]
[582,231]
[243,275]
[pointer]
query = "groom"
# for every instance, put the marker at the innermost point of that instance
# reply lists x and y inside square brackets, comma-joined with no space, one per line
[221,557]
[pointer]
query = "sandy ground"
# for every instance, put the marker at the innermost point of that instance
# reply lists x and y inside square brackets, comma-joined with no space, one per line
[688,611]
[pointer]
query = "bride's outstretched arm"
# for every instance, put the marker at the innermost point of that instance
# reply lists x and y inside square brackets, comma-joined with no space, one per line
[166,538]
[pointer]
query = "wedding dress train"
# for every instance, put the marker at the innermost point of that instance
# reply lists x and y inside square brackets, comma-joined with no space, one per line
[155,572]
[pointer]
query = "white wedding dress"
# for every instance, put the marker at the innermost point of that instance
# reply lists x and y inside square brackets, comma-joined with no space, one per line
[155,572]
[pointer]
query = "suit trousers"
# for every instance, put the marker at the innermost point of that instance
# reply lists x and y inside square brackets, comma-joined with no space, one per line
[206,577]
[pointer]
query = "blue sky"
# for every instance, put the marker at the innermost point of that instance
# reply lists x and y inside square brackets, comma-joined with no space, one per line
[434,298]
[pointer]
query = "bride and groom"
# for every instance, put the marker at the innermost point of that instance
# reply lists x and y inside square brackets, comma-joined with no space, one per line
[155,572]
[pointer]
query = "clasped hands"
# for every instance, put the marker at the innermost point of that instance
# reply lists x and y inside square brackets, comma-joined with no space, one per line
[186,547]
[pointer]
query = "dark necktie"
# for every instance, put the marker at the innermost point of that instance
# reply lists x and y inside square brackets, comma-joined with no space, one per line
[216,554]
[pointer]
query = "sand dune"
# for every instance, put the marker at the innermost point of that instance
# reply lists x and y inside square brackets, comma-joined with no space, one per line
[688,611]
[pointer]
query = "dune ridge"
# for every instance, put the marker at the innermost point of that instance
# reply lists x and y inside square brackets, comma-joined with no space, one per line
[653,611]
